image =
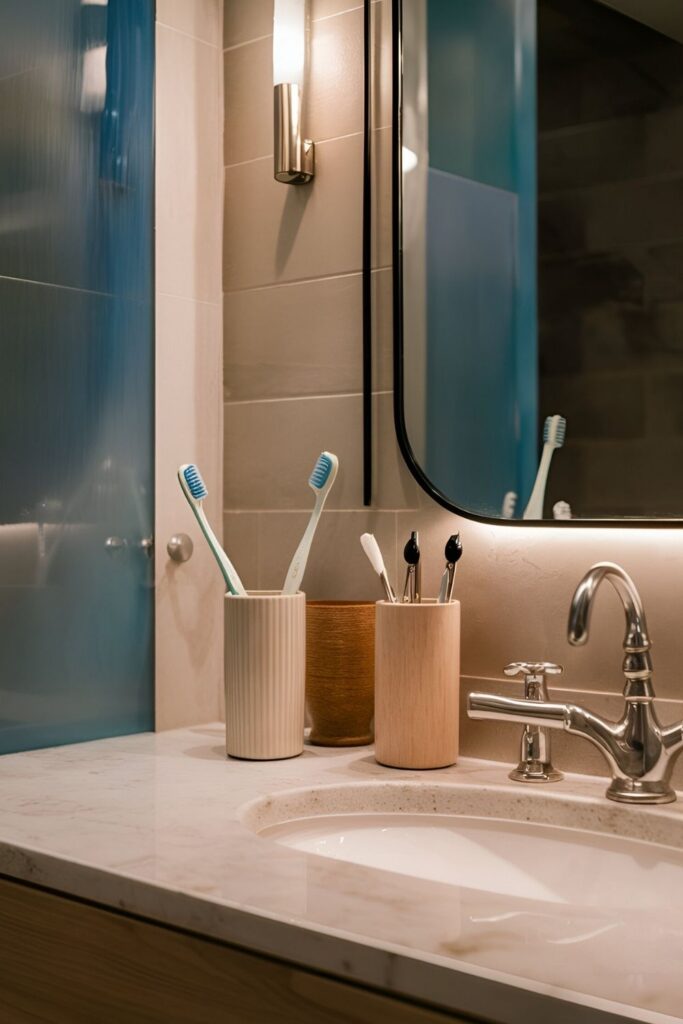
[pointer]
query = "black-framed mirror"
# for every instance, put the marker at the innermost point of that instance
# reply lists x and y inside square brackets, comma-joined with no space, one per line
[538,256]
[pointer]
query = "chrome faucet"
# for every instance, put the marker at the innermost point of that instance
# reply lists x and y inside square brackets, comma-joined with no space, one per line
[640,752]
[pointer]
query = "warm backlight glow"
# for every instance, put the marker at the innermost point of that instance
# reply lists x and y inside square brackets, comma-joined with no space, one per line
[289,41]
[408,159]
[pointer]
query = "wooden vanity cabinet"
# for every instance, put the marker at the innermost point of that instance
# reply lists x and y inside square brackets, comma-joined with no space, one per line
[63,961]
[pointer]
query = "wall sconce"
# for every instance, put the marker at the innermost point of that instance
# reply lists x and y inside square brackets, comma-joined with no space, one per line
[294,155]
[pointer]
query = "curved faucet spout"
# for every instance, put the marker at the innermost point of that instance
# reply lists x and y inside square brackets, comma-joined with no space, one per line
[636,640]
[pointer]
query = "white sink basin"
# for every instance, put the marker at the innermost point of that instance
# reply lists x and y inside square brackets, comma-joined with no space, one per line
[535,846]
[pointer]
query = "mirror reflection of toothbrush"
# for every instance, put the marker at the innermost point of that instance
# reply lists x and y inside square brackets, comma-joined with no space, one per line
[411,553]
[554,433]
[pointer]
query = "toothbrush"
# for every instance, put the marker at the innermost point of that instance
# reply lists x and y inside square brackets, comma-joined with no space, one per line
[509,505]
[453,555]
[371,549]
[562,510]
[554,430]
[321,480]
[195,491]
[411,553]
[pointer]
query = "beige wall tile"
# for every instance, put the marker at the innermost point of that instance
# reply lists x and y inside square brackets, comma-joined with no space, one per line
[327,8]
[200,18]
[188,167]
[381,198]
[303,339]
[337,567]
[272,446]
[276,232]
[188,599]
[334,104]
[241,541]
[244,20]
[248,72]
[383,63]
[517,582]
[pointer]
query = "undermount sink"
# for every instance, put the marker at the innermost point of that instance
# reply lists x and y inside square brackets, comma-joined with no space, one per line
[532,845]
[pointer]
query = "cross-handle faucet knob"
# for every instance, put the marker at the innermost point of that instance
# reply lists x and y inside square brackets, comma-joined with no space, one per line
[534,673]
[535,764]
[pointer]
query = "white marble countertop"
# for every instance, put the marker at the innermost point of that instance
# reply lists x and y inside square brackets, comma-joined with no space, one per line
[149,824]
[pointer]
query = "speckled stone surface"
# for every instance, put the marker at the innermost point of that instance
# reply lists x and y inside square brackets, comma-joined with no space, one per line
[164,826]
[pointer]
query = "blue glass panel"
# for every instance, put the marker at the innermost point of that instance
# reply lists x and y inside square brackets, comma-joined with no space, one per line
[471,449]
[76,342]
[482,144]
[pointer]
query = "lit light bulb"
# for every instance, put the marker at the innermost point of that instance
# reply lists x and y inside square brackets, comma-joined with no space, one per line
[289,42]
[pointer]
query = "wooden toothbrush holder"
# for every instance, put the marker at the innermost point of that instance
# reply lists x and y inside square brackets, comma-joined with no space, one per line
[340,672]
[417,684]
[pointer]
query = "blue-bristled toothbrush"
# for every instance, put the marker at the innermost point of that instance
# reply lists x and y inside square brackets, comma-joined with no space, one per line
[509,505]
[554,431]
[195,491]
[321,480]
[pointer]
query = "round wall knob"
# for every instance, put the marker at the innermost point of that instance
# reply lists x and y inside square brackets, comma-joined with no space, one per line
[147,546]
[180,547]
[114,545]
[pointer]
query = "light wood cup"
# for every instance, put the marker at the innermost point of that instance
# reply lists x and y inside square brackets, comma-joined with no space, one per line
[340,672]
[417,684]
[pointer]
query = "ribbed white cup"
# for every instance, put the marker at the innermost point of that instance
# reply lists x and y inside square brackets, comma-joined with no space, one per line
[265,675]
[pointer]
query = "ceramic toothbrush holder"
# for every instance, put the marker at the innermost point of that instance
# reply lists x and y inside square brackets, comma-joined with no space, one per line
[265,675]
[417,684]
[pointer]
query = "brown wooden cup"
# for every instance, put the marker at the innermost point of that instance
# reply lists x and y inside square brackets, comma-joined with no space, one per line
[340,672]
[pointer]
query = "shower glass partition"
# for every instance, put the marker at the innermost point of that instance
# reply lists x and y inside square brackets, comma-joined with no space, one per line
[76,348]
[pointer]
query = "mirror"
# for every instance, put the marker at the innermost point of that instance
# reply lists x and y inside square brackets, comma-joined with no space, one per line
[538,183]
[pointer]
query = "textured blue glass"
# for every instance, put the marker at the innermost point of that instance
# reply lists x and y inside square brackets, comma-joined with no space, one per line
[76,341]
[482,376]
[471,431]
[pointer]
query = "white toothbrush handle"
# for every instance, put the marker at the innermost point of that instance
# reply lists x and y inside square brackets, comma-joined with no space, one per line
[534,509]
[230,575]
[297,567]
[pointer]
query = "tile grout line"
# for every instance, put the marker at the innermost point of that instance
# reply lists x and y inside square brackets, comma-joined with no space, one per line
[314,21]
[318,142]
[188,35]
[215,303]
[296,282]
[302,398]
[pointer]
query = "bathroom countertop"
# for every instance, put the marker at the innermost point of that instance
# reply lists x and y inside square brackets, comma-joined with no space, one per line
[150,824]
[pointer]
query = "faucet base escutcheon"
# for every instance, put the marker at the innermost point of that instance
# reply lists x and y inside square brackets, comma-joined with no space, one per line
[640,791]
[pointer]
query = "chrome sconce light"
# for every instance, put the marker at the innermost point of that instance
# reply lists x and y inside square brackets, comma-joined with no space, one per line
[294,155]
